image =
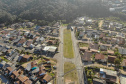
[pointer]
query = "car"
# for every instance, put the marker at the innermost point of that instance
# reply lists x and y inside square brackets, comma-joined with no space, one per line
[113,65]
[109,65]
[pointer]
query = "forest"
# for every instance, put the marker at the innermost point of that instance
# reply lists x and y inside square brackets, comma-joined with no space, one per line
[44,12]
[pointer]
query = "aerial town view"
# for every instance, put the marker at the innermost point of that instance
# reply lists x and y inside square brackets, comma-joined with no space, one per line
[62,41]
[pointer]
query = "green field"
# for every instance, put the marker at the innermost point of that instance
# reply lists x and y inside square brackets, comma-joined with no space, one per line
[68,46]
[71,75]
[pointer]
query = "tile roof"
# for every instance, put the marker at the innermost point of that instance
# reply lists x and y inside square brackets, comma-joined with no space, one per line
[22,41]
[15,73]
[26,56]
[9,68]
[99,56]
[47,77]
[94,46]
[87,56]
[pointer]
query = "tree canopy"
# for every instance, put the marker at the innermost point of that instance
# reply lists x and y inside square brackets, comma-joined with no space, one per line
[46,11]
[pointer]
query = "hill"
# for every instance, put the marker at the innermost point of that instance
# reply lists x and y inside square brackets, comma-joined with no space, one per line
[45,11]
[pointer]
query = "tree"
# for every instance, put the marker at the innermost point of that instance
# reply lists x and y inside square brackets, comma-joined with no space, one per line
[117,53]
[117,61]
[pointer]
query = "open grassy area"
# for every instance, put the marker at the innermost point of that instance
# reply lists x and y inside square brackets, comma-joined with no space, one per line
[71,76]
[68,46]
[83,44]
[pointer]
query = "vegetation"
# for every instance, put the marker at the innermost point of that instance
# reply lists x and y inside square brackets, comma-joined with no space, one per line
[77,34]
[4,59]
[68,45]
[117,61]
[90,74]
[71,75]
[83,44]
[47,12]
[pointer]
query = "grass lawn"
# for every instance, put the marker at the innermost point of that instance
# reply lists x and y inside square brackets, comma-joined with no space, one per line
[68,46]
[4,59]
[83,44]
[72,75]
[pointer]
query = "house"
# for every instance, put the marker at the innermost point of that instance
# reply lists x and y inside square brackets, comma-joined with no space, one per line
[57,24]
[47,78]
[2,64]
[50,49]
[94,51]
[113,41]
[102,35]
[55,32]
[123,63]
[103,48]
[51,42]
[7,71]
[30,66]
[81,34]
[94,46]
[98,81]
[41,72]
[122,51]
[26,33]
[13,75]
[110,52]
[27,82]
[89,21]
[23,80]
[100,57]
[31,36]
[29,24]
[28,44]
[17,40]
[85,38]
[111,59]
[13,56]
[87,56]
[83,49]
[20,43]
[24,58]
[40,39]
[108,75]
[120,41]
[78,29]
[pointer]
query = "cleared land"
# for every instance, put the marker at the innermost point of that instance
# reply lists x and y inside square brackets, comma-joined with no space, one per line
[72,75]
[68,46]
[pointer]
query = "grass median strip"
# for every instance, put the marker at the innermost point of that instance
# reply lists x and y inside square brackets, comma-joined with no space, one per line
[68,46]
[70,73]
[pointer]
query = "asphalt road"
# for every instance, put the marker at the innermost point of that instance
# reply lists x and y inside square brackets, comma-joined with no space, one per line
[77,59]
[60,58]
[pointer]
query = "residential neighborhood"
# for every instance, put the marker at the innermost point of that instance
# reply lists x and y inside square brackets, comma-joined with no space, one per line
[102,50]
[26,55]
[32,54]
